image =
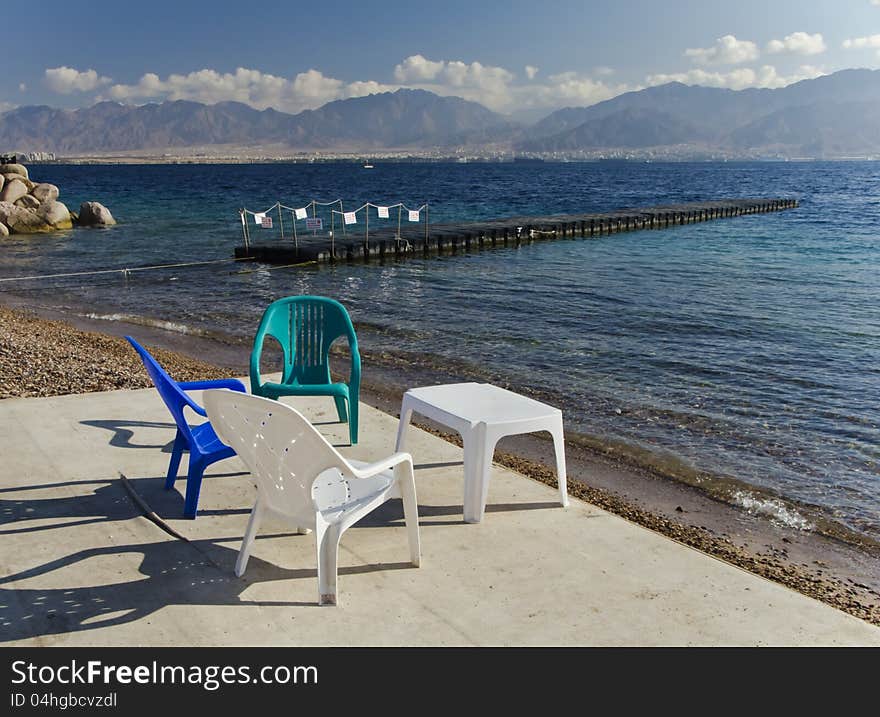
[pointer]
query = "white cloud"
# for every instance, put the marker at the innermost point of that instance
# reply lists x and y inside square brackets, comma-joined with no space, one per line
[307,90]
[495,87]
[498,89]
[603,71]
[738,79]
[859,43]
[66,80]
[798,43]
[727,50]
[6,106]
[416,68]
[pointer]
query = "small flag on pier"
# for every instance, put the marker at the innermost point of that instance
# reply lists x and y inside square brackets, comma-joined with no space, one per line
[414,215]
[314,223]
[383,212]
[350,218]
[266,223]
[258,218]
[301,213]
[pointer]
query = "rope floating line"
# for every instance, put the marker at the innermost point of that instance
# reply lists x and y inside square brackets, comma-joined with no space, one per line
[124,271]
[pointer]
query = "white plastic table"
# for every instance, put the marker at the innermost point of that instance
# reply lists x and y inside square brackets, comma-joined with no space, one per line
[483,414]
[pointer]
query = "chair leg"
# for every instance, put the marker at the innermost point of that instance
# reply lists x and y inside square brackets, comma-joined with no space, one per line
[174,465]
[340,408]
[327,540]
[193,487]
[407,484]
[249,535]
[559,446]
[353,420]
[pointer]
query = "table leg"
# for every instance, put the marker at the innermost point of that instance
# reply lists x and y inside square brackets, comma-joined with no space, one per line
[479,447]
[559,446]
[405,416]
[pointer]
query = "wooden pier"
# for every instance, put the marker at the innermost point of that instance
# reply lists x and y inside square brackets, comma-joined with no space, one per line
[422,239]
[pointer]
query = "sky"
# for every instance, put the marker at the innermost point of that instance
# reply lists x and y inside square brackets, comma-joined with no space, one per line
[524,59]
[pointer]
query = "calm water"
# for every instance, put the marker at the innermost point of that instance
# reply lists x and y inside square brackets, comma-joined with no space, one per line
[747,347]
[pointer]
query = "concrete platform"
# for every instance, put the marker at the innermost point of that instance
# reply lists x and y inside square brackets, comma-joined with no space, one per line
[81,565]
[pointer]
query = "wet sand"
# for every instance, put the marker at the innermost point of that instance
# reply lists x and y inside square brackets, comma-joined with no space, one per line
[41,356]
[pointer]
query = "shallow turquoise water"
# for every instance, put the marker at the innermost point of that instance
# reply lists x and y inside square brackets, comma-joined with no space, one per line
[746,347]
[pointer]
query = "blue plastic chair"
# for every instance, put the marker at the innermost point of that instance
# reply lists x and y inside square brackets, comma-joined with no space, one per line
[202,443]
[306,327]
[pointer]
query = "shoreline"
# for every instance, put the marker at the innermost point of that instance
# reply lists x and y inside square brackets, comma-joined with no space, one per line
[71,361]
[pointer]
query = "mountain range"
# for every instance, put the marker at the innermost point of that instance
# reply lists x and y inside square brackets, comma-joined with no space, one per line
[830,116]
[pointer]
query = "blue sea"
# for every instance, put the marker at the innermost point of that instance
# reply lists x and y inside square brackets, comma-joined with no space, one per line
[745,352]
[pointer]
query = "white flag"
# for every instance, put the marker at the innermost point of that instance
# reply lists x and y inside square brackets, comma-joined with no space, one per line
[258,218]
[413,215]
[383,212]
[301,213]
[350,218]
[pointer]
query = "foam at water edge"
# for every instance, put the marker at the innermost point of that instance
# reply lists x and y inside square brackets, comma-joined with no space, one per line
[776,510]
[153,323]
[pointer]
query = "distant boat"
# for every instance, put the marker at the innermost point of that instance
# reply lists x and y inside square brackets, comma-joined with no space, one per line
[368,166]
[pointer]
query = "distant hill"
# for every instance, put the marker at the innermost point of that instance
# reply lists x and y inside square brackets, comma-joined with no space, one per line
[832,115]
[392,119]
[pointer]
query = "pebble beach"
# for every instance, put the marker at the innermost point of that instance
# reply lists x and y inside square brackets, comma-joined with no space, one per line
[47,357]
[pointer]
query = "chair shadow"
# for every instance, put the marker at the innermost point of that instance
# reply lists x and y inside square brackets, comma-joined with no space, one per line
[196,573]
[122,434]
[107,502]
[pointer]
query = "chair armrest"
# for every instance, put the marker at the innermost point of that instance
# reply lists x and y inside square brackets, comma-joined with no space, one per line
[372,469]
[232,383]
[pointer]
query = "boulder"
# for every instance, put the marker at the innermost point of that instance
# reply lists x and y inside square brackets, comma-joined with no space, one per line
[45,192]
[56,214]
[6,209]
[14,190]
[22,221]
[4,232]
[2,181]
[19,169]
[28,201]
[95,214]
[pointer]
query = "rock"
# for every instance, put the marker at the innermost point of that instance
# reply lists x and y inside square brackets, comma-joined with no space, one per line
[45,192]
[13,191]
[19,169]
[28,201]
[2,181]
[22,221]
[4,232]
[95,214]
[56,214]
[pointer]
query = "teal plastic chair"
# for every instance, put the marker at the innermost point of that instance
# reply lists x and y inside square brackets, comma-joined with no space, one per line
[306,327]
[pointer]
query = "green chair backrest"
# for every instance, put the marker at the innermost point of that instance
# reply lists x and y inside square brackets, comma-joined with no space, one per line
[305,327]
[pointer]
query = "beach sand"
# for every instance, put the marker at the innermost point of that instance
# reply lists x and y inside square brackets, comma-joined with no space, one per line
[42,356]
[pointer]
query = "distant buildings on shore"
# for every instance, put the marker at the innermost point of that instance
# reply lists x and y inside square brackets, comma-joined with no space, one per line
[32,156]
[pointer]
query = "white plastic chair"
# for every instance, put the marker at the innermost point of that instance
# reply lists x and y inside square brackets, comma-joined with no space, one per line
[302,479]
